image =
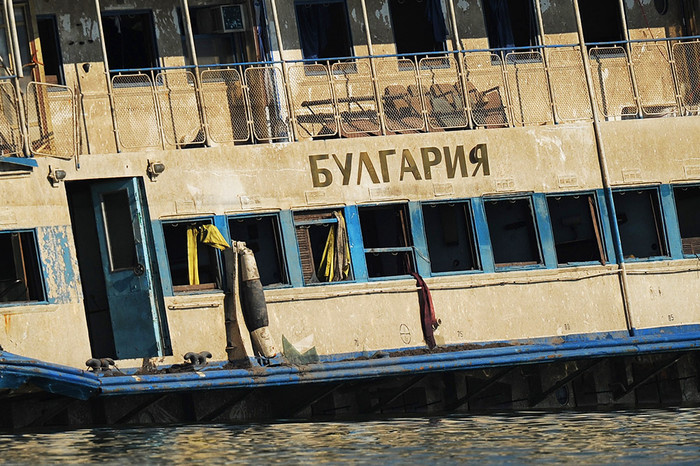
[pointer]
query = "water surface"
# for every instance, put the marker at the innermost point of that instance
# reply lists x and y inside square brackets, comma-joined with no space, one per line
[650,436]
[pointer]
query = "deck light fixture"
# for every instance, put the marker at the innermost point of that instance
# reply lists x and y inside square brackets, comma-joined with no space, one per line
[154,169]
[56,176]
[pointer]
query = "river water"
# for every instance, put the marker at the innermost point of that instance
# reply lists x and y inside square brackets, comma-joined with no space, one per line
[648,436]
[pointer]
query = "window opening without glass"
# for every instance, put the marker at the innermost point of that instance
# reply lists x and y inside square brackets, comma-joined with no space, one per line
[130,40]
[601,21]
[324,248]
[577,236]
[262,236]
[512,230]
[387,240]
[323,29]
[419,25]
[194,262]
[688,207]
[510,23]
[450,236]
[20,274]
[640,222]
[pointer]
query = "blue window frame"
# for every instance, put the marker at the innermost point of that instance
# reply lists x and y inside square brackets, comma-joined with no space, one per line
[21,279]
[386,236]
[576,228]
[640,220]
[177,250]
[450,236]
[263,235]
[687,201]
[513,232]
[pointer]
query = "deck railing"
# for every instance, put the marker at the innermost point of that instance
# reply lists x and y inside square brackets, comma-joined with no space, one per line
[253,102]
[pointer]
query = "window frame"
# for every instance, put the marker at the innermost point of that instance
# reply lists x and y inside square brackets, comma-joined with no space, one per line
[219,285]
[673,188]
[535,225]
[280,239]
[600,227]
[42,287]
[321,221]
[661,216]
[473,233]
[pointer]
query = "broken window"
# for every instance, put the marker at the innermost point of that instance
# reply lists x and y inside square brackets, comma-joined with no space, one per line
[193,258]
[687,207]
[640,222]
[323,246]
[510,23]
[20,274]
[419,25]
[262,235]
[130,40]
[577,236]
[601,21]
[450,236]
[221,34]
[512,230]
[50,49]
[387,240]
[323,29]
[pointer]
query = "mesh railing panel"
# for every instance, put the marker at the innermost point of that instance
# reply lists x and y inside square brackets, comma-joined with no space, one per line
[652,69]
[10,133]
[312,100]
[224,104]
[51,120]
[567,78]
[443,96]
[398,87]
[176,91]
[485,80]
[528,88]
[612,81]
[268,102]
[135,111]
[355,98]
[686,56]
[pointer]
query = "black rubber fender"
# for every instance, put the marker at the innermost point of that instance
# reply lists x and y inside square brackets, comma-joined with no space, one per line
[253,303]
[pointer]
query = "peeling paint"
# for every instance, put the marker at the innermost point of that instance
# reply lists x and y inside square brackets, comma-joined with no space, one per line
[463,5]
[544,5]
[384,14]
[173,13]
[353,14]
[64,21]
[60,267]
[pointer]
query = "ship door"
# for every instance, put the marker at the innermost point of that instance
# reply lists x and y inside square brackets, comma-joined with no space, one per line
[123,301]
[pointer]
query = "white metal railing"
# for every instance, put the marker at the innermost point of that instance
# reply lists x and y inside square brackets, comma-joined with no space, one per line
[399,94]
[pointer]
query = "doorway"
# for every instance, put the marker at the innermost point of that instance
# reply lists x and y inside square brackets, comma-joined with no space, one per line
[114,244]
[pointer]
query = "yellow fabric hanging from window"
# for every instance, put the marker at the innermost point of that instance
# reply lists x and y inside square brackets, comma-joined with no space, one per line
[206,234]
[335,261]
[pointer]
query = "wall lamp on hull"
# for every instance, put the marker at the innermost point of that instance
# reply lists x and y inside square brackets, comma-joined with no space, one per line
[56,176]
[154,169]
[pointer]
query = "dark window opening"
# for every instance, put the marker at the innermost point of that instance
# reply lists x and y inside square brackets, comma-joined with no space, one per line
[419,25]
[262,236]
[121,245]
[130,40]
[688,207]
[20,274]
[640,223]
[180,244]
[387,240]
[512,230]
[510,23]
[451,242]
[50,49]
[323,29]
[577,236]
[219,43]
[323,246]
[601,21]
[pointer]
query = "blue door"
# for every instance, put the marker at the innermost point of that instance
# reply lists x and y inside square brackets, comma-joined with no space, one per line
[124,241]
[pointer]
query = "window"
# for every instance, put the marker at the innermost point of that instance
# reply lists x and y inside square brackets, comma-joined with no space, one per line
[219,41]
[419,25]
[688,206]
[194,263]
[323,29]
[130,40]
[451,242]
[510,23]
[640,223]
[121,244]
[387,240]
[22,36]
[323,246]
[601,21]
[512,230]
[50,49]
[20,274]
[262,235]
[577,236]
